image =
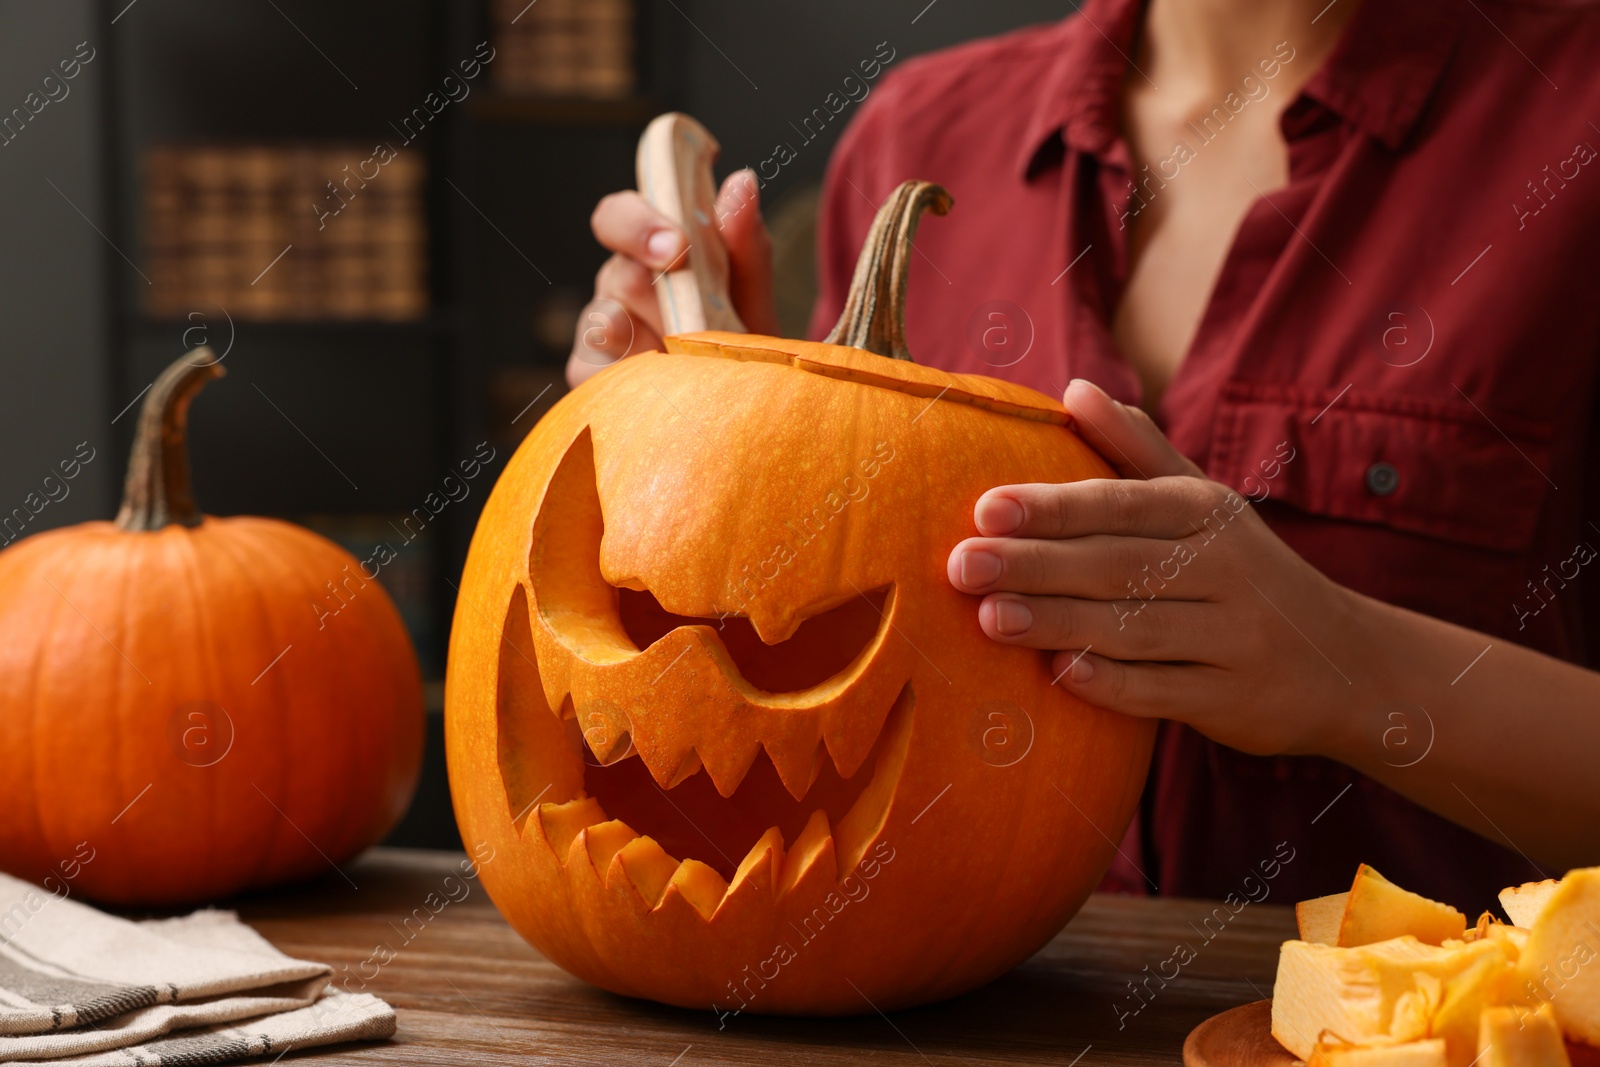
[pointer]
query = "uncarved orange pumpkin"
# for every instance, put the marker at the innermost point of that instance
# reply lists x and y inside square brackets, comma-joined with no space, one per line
[733,737]
[186,709]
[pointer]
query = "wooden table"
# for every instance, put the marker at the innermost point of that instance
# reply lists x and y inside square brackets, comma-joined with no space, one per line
[470,991]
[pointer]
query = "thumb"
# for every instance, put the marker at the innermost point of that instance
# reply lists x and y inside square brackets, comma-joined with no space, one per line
[744,232]
[1126,436]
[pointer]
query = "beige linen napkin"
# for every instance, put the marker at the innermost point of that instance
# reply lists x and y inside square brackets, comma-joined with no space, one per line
[78,986]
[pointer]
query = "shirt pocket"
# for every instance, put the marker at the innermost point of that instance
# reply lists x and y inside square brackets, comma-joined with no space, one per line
[1437,468]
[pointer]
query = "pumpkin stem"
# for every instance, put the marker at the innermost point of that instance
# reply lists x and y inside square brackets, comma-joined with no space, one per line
[874,316]
[157,492]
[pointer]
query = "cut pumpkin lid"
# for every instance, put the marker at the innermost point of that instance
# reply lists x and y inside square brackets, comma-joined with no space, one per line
[868,344]
[867,368]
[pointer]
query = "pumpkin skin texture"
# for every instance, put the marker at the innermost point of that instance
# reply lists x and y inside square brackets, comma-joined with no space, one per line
[623,725]
[144,722]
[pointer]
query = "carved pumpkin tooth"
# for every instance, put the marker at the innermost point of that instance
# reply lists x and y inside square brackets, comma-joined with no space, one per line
[863,823]
[797,764]
[762,864]
[561,823]
[647,867]
[687,769]
[849,743]
[601,842]
[606,729]
[560,701]
[812,857]
[615,748]
[728,763]
[665,750]
[698,884]
[755,882]
[819,760]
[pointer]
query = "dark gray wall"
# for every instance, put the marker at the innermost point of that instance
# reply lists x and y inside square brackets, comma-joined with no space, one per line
[53,384]
[790,55]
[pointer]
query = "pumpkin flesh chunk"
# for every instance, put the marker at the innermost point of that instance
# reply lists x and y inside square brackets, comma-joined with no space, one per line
[1377,910]
[1482,986]
[1561,958]
[1380,993]
[1524,903]
[1318,919]
[1516,1037]
[1499,995]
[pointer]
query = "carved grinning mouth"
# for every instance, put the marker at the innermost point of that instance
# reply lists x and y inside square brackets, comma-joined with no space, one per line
[729,773]
[694,820]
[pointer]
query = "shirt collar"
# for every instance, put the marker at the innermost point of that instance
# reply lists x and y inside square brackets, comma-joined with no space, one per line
[1379,77]
[1384,69]
[1078,97]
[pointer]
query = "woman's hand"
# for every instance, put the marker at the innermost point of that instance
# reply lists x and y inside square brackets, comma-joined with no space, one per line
[1164,594]
[623,318]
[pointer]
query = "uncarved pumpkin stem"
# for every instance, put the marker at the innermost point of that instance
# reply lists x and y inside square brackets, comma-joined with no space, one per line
[157,492]
[874,316]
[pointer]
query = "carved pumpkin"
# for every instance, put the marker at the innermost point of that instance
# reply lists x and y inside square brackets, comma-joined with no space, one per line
[734,739]
[182,716]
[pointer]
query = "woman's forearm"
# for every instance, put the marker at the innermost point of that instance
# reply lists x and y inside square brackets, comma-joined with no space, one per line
[1490,734]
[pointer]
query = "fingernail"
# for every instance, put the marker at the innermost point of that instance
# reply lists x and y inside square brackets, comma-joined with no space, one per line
[663,245]
[979,568]
[1012,617]
[1082,670]
[999,515]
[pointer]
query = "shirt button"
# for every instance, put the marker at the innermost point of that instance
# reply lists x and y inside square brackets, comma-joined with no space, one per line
[1382,479]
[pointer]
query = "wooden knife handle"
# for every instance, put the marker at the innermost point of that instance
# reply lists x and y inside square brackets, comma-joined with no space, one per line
[674,165]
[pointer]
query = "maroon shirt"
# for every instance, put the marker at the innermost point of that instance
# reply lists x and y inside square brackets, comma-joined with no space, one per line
[1413,317]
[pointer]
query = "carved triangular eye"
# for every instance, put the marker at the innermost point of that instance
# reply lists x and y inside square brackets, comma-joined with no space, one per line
[575,600]
[604,623]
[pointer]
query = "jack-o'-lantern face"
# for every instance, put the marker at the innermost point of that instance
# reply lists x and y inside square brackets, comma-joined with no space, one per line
[733,738]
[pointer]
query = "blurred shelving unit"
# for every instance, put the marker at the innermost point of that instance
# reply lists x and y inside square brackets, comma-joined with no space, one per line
[505,109]
[352,422]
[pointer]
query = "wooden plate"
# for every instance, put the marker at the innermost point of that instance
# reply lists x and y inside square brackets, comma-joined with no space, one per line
[1242,1037]
[1239,1037]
